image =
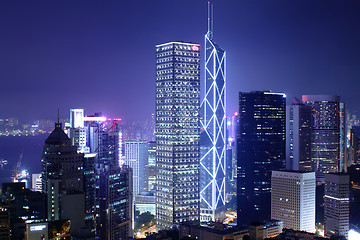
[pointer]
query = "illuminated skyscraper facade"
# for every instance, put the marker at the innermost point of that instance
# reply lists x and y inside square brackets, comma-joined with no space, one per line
[328,138]
[293,199]
[136,157]
[261,149]
[213,126]
[177,133]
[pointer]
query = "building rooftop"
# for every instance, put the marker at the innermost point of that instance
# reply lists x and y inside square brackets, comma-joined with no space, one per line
[57,136]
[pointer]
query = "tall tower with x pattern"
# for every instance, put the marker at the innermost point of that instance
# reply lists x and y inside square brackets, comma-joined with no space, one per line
[213,129]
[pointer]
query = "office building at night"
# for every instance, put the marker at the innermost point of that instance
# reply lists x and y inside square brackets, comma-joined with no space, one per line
[115,199]
[177,133]
[61,162]
[293,199]
[152,166]
[104,137]
[136,157]
[261,149]
[328,134]
[298,137]
[337,202]
[213,130]
[354,148]
[20,205]
[63,181]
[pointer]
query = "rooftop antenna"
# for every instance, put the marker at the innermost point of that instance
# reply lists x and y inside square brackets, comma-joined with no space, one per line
[58,124]
[210,20]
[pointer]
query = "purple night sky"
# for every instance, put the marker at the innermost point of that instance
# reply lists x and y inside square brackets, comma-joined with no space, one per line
[100,55]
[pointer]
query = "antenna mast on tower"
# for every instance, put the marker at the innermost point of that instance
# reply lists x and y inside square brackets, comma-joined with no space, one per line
[210,20]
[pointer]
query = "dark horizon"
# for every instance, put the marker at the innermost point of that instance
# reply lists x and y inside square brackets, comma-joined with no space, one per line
[100,56]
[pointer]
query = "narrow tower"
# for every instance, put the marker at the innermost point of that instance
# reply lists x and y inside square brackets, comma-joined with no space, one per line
[213,126]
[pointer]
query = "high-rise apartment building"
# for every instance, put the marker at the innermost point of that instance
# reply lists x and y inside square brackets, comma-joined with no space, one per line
[177,133]
[298,137]
[261,149]
[337,201]
[293,199]
[213,130]
[136,157]
[327,151]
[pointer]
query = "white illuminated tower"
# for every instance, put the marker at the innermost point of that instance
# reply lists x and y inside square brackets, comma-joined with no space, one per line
[213,126]
[293,199]
[177,133]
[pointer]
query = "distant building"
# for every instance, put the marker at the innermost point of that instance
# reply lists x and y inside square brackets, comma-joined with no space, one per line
[328,135]
[90,191]
[298,137]
[260,149]
[104,137]
[136,157]
[293,199]
[36,182]
[337,200]
[177,133]
[145,203]
[77,131]
[354,149]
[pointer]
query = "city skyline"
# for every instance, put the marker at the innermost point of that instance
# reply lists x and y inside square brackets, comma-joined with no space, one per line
[84,48]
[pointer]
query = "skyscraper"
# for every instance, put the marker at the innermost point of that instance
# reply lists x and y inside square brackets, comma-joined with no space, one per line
[337,201]
[298,137]
[115,213]
[136,157]
[177,133]
[104,137]
[293,199]
[326,153]
[62,180]
[261,149]
[60,161]
[213,129]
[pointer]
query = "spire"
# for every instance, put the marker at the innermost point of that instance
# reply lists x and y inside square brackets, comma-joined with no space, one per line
[210,20]
[58,123]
